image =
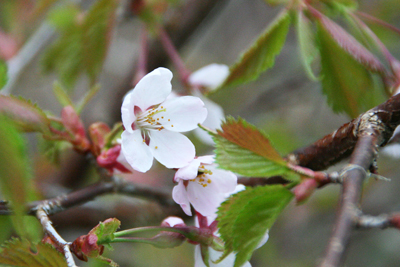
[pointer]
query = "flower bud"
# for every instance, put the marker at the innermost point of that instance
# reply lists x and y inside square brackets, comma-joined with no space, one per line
[75,128]
[304,190]
[97,133]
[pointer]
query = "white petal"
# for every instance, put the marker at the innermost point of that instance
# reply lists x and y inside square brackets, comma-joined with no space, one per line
[136,152]
[152,89]
[213,121]
[127,111]
[182,113]
[263,240]
[209,159]
[179,195]
[173,150]
[189,171]
[225,181]
[210,76]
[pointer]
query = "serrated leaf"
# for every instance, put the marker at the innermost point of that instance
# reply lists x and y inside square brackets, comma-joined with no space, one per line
[14,172]
[308,49]
[348,85]
[3,74]
[242,148]
[245,217]
[27,116]
[348,43]
[82,45]
[96,35]
[19,253]
[261,55]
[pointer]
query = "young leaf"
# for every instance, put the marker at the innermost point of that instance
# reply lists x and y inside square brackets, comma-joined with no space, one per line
[27,116]
[61,95]
[261,55]
[82,45]
[346,82]
[19,253]
[348,43]
[87,97]
[96,31]
[306,38]
[14,172]
[245,218]
[242,148]
[3,74]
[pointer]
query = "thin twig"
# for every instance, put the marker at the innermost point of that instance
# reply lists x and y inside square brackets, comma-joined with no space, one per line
[49,229]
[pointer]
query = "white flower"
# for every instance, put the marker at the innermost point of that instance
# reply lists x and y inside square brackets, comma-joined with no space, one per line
[214,255]
[152,123]
[210,76]
[204,186]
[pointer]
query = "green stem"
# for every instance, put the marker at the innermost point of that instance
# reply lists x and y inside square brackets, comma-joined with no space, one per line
[149,229]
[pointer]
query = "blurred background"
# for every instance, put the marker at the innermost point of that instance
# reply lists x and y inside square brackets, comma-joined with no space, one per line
[283,102]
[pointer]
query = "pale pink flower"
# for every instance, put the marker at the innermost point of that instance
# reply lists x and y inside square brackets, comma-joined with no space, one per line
[152,123]
[209,77]
[214,255]
[203,185]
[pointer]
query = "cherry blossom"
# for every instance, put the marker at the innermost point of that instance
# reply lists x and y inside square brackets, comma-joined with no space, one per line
[209,77]
[153,123]
[209,222]
[204,186]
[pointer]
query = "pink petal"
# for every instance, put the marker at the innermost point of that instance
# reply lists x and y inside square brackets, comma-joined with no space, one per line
[152,89]
[136,152]
[180,196]
[173,150]
[171,221]
[210,76]
[128,116]
[209,159]
[182,113]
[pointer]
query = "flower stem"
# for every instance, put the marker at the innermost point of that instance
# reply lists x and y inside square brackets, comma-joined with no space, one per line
[174,55]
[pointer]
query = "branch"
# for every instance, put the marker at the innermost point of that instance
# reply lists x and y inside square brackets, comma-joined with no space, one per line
[340,144]
[78,197]
[49,230]
[369,132]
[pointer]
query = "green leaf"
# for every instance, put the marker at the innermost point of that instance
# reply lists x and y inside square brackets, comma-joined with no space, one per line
[348,85]
[27,116]
[62,95]
[96,31]
[261,55]
[105,230]
[306,38]
[3,74]
[15,173]
[20,253]
[83,41]
[257,207]
[88,96]
[242,148]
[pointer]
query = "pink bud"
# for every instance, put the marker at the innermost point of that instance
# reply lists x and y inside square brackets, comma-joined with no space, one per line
[304,190]
[75,127]
[97,133]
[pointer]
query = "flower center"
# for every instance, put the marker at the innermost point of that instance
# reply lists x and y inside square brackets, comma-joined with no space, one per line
[202,178]
[146,120]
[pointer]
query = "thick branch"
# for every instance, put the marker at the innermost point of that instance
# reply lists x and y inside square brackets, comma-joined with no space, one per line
[370,130]
[340,144]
